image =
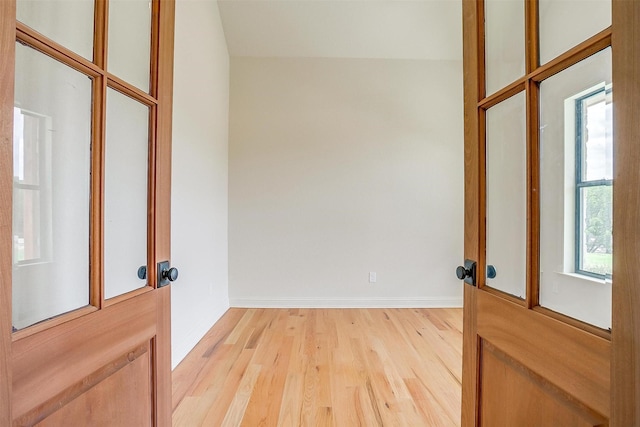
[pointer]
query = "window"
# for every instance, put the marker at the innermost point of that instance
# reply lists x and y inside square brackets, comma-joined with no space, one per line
[31,188]
[594,183]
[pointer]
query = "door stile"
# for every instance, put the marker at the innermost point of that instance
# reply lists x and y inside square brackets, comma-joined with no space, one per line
[7,71]
[625,334]
[473,73]
[164,13]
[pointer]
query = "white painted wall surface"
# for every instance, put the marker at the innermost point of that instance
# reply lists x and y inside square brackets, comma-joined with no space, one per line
[341,167]
[199,174]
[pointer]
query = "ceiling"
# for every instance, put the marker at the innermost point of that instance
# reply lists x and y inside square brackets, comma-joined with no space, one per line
[387,29]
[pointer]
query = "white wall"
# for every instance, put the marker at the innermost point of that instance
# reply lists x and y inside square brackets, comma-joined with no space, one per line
[341,167]
[199,175]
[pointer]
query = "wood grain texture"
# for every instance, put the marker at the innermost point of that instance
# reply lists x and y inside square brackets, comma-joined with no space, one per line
[525,398]
[473,74]
[625,340]
[575,361]
[76,349]
[7,69]
[74,393]
[160,191]
[316,367]
[98,408]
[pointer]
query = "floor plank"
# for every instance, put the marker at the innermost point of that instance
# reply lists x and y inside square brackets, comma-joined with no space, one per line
[324,367]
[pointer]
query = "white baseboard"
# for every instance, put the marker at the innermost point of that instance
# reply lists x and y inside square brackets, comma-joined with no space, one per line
[346,302]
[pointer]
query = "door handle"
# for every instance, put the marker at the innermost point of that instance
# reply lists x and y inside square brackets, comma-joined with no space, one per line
[166,273]
[491,272]
[467,272]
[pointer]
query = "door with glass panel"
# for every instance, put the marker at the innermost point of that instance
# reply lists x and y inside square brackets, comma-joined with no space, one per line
[546,180]
[85,126]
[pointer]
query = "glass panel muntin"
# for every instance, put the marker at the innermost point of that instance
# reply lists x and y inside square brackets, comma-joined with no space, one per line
[530,81]
[42,252]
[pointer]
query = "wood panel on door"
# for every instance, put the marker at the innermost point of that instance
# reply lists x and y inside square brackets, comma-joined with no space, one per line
[107,363]
[524,364]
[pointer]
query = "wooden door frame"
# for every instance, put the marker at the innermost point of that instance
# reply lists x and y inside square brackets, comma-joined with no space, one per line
[7,71]
[625,337]
[162,87]
[162,186]
[625,330]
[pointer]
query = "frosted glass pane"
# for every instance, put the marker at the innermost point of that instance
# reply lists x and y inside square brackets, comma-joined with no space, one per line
[129,54]
[575,210]
[507,195]
[504,43]
[68,22]
[567,23]
[51,188]
[125,216]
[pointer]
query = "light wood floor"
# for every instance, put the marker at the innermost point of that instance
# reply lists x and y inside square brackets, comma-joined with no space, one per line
[317,367]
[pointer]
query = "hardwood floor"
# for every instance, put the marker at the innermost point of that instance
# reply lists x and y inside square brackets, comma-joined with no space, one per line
[324,367]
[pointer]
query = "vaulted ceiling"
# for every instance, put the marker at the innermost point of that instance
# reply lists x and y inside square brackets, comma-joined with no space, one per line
[387,29]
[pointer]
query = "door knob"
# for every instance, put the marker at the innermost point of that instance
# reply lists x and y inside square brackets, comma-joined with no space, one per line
[142,272]
[467,272]
[166,273]
[491,272]
[171,274]
[462,272]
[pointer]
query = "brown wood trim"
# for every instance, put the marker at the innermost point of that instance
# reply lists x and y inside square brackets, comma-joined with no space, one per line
[98,153]
[594,418]
[132,294]
[30,37]
[97,191]
[543,343]
[162,352]
[130,90]
[472,81]
[101,16]
[625,339]
[531,35]
[58,320]
[76,349]
[533,193]
[600,41]
[503,94]
[7,83]
[155,46]
[602,333]
[47,408]
[151,198]
[511,298]
[480,50]
[481,274]
[162,206]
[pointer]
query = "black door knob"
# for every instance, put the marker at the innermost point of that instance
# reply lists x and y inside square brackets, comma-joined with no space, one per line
[491,272]
[142,272]
[467,272]
[170,274]
[166,273]
[462,272]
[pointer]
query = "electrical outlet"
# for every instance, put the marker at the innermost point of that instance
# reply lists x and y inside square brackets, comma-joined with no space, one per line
[372,277]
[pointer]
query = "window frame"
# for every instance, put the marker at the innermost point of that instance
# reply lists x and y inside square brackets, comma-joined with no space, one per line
[579,183]
[43,188]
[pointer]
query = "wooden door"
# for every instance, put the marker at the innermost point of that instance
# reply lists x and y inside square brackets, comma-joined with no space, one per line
[526,363]
[104,357]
